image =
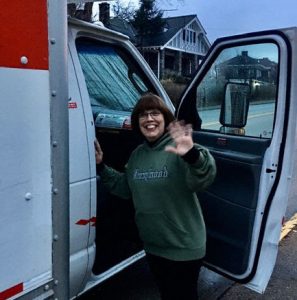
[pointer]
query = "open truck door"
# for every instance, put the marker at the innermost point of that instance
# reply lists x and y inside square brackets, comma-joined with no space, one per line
[241,104]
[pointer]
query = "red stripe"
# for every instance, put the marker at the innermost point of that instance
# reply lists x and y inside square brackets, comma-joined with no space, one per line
[93,220]
[11,291]
[72,105]
[86,222]
[81,222]
[24,33]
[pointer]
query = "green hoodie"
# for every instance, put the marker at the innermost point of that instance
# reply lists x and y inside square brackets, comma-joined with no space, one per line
[162,186]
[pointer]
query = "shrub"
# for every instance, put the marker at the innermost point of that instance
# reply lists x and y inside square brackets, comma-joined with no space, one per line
[173,89]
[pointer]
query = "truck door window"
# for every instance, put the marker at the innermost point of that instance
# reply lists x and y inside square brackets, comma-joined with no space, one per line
[242,78]
[113,81]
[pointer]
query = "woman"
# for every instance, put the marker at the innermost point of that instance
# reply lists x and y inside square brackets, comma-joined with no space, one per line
[162,176]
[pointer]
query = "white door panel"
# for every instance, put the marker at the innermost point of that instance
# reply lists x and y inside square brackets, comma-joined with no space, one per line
[253,181]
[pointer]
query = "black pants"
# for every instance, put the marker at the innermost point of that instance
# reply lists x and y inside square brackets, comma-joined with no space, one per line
[176,280]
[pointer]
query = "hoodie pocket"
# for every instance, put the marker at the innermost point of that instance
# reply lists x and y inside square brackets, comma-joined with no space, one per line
[157,229]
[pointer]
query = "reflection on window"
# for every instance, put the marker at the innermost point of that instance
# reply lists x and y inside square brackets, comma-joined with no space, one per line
[254,66]
[111,83]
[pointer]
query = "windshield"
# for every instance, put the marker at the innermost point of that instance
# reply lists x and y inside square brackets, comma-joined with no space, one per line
[112,80]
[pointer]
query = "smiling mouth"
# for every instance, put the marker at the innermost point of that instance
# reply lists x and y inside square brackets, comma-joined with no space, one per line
[150,126]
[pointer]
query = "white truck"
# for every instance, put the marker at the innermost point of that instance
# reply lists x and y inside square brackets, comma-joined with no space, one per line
[65,82]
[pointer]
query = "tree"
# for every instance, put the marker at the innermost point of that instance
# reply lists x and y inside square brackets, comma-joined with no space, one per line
[148,19]
[123,11]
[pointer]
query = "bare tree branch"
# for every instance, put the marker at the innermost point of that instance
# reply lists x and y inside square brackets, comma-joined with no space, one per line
[123,10]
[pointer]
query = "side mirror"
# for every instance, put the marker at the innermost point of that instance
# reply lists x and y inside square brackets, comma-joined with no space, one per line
[235,106]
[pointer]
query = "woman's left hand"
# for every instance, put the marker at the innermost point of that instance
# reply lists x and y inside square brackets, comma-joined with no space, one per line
[182,135]
[98,152]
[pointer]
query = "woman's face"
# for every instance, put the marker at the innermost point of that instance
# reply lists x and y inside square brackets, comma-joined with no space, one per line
[152,124]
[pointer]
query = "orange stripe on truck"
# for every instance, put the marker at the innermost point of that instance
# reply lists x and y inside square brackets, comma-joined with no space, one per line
[24,35]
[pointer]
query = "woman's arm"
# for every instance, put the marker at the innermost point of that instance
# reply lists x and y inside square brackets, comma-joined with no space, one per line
[115,182]
[199,164]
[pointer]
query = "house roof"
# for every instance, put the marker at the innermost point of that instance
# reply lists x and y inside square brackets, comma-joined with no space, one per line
[172,27]
[120,25]
[245,60]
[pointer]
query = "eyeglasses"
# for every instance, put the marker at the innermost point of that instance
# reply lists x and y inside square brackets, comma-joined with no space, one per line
[152,114]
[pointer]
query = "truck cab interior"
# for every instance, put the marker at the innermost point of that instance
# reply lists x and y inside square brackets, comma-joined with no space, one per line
[231,106]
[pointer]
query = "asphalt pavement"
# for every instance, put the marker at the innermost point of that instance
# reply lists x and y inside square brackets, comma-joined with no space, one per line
[136,282]
[283,283]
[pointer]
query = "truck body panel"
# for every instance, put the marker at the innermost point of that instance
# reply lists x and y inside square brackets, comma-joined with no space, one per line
[34,237]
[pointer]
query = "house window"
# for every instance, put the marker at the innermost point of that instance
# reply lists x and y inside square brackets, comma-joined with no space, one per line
[184,34]
[189,36]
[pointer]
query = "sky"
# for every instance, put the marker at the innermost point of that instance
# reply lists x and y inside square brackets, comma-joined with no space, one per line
[228,17]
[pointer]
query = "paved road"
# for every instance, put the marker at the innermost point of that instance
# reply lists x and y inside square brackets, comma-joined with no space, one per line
[259,123]
[136,282]
[283,283]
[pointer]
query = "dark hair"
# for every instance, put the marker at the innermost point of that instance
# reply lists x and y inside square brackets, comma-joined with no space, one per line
[146,102]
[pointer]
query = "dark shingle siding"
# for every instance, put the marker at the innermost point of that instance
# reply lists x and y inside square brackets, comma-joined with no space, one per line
[173,26]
